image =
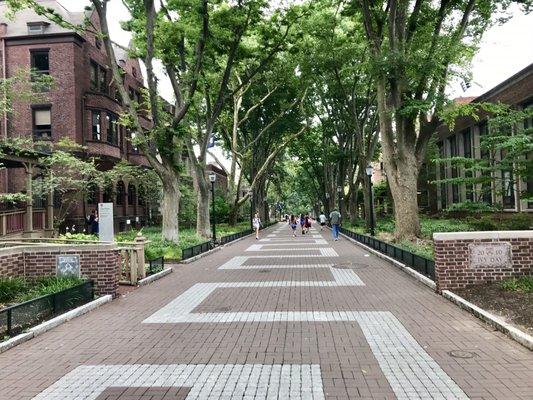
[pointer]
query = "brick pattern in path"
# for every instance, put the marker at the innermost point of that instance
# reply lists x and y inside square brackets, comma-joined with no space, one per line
[273,319]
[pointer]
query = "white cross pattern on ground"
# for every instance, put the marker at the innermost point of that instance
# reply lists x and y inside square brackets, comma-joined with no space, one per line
[411,372]
[207,381]
[180,309]
[324,252]
[259,247]
[300,240]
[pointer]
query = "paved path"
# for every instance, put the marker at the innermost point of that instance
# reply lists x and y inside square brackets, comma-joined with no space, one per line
[280,318]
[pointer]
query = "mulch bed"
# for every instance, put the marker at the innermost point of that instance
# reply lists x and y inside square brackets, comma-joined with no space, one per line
[514,307]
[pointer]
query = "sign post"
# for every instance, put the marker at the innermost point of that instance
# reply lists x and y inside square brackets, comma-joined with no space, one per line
[105,222]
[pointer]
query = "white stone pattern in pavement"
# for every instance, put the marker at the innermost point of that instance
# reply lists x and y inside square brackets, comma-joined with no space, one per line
[323,252]
[283,244]
[180,309]
[298,241]
[284,247]
[207,382]
[238,263]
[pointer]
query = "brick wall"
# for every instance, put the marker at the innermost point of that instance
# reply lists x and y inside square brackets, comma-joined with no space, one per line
[464,259]
[98,263]
[11,263]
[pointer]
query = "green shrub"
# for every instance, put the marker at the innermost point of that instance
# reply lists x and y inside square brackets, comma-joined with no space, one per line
[429,226]
[472,207]
[422,249]
[78,236]
[518,222]
[10,288]
[522,284]
[484,223]
[48,285]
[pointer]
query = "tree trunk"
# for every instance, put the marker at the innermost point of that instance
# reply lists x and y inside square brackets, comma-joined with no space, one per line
[203,225]
[170,205]
[404,190]
[201,185]
[354,197]
[233,214]
[366,202]
[401,166]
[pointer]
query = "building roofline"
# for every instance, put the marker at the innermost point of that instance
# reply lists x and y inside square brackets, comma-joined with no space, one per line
[522,74]
[44,35]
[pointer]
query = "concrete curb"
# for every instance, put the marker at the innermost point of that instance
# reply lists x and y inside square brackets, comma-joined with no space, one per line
[417,275]
[190,260]
[52,323]
[516,334]
[154,277]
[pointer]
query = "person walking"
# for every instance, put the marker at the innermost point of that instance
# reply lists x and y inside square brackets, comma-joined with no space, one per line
[302,223]
[323,220]
[293,225]
[335,220]
[256,222]
[307,223]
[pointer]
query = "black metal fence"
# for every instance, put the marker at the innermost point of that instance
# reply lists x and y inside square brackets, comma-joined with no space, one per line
[246,232]
[193,251]
[206,246]
[156,265]
[418,263]
[235,236]
[15,319]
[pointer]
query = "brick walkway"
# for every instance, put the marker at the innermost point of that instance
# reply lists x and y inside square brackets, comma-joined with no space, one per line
[280,318]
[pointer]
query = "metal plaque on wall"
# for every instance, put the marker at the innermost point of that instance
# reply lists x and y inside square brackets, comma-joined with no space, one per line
[490,255]
[68,266]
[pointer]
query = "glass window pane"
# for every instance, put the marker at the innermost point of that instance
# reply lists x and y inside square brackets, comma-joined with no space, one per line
[40,61]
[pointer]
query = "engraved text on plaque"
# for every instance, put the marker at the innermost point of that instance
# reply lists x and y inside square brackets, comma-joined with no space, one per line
[490,254]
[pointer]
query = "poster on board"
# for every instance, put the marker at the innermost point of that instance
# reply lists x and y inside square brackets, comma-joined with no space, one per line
[105,222]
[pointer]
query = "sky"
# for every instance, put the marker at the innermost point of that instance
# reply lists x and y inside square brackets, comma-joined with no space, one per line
[504,50]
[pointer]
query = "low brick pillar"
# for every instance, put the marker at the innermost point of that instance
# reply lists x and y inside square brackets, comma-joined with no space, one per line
[11,262]
[98,262]
[464,259]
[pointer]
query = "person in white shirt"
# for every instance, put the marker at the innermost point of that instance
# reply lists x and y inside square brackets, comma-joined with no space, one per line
[323,220]
[256,222]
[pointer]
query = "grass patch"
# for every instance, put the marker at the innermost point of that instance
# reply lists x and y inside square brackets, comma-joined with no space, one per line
[523,284]
[19,290]
[423,247]
[10,288]
[158,247]
[170,250]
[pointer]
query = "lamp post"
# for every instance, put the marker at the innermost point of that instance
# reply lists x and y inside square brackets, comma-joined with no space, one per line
[369,173]
[212,179]
[326,206]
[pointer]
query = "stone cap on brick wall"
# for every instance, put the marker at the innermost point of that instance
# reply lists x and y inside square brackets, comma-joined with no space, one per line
[483,235]
[28,248]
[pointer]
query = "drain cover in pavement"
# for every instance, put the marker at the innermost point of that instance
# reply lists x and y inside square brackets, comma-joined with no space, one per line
[350,265]
[461,354]
[264,271]
[223,309]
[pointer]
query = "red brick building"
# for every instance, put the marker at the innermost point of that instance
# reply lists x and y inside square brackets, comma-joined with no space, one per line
[82,104]
[464,141]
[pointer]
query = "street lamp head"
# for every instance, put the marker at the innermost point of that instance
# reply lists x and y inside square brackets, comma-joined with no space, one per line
[339,189]
[370,170]
[327,195]
[212,177]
